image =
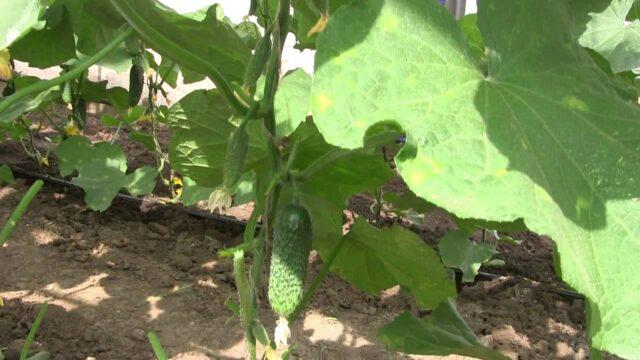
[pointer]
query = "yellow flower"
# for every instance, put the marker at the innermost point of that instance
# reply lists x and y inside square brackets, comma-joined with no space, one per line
[5,67]
[176,185]
[44,161]
[71,129]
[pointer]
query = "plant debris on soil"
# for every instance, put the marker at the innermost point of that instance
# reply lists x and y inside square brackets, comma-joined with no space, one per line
[111,277]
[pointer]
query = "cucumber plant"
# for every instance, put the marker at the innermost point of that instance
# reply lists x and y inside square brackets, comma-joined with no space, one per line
[500,112]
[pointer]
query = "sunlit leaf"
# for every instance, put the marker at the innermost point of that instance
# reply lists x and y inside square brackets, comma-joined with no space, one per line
[518,142]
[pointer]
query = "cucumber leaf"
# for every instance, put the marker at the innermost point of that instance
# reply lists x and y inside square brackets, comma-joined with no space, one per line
[51,46]
[442,333]
[200,125]
[141,181]
[518,142]
[18,16]
[602,27]
[292,101]
[457,251]
[101,171]
[375,259]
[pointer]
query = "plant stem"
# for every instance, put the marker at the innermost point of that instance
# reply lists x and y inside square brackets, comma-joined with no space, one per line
[76,71]
[33,330]
[32,143]
[20,209]
[157,346]
[50,120]
[247,304]
[308,294]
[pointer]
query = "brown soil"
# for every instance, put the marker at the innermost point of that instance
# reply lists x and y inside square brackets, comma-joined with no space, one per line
[111,277]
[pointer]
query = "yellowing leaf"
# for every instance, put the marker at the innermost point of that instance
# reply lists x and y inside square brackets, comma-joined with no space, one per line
[319,26]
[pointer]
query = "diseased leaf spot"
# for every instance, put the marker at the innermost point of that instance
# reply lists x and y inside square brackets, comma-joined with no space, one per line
[323,102]
[388,22]
[501,173]
[574,103]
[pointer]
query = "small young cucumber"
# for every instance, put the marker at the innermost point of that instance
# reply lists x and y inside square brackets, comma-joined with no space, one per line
[67,96]
[237,149]
[136,83]
[290,257]
[258,60]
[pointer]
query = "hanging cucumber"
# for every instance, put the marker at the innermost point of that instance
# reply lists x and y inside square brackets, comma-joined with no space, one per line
[258,60]
[237,148]
[80,112]
[289,260]
[136,83]
[67,96]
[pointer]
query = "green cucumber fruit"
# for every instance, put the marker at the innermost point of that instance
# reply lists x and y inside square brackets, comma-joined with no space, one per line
[66,92]
[237,149]
[136,83]
[258,60]
[289,259]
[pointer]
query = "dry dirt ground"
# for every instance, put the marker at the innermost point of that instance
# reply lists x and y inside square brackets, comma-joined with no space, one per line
[110,277]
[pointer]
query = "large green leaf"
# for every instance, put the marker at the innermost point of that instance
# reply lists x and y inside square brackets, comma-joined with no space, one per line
[292,101]
[101,171]
[375,259]
[200,125]
[101,182]
[92,36]
[18,16]
[141,181]
[544,136]
[198,43]
[51,46]
[603,28]
[442,333]
[371,259]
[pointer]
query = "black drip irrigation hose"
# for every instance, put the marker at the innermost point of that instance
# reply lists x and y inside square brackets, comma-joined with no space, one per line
[229,219]
[191,211]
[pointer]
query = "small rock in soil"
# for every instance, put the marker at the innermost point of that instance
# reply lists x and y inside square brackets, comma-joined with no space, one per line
[82,245]
[139,335]
[564,351]
[158,228]
[81,257]
[59,241]
[15,348]
[365,309]
[214,244]
[542,347]
[164,280]
[223,267]
[184,244]
[182,262]
[125,265]
[121,243]
[6,326]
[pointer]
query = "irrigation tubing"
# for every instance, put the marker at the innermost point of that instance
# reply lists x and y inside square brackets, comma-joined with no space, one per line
[191,211]
[229,219]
